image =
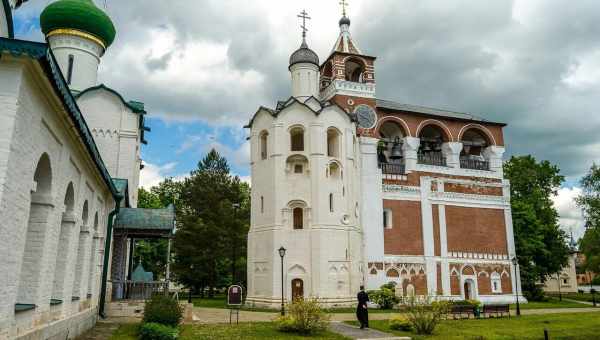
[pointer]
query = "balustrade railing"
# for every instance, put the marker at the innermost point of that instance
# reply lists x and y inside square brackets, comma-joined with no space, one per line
[432,158]
[467,163]
[393,168]
[135,290]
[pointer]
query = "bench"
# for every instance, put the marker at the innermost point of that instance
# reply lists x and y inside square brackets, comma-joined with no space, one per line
[496,310]
[462,311]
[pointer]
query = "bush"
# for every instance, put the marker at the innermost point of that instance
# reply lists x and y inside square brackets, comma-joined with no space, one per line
[473,303]
[385,297]
[425,316]
[163,310]
[156,331]
[305,316]
[400,323]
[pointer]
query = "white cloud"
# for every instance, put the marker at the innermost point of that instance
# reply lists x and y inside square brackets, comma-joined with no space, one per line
[571,218]
[153,174]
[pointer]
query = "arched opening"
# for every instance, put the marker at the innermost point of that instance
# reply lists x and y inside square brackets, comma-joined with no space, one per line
[355,70]
[474,143]
[392,273]
[430,149]
[297,139]
[326,75]
[40,210]
[334,170]
[93,258]
[264,139]
[469,290]
[297,289]
[81,246]
[298,218]
[331,202]
[496,282]
[67,226]
[333,142]
[389,147]
[297,164]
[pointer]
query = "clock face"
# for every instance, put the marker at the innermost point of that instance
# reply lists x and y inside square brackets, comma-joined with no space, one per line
[366,116]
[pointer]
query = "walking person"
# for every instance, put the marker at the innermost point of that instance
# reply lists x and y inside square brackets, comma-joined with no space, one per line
[362,313]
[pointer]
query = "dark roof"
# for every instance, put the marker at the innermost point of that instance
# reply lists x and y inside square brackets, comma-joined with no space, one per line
[44,56]
[387,104]
[149,220]
[304,55]
[134,106]
[9,19]
[122,186]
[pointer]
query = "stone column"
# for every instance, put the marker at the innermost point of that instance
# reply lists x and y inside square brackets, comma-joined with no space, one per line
[451,151]
[410,147]
[59,290]
[493,154]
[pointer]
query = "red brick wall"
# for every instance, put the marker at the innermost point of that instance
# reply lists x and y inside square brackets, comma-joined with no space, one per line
[506,284]
[438,269]
[436,229]
[406,235]
[454,285]
[478,230]
[484,285]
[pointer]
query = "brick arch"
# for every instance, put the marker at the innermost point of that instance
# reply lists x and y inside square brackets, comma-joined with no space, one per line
[448,134]
[402,122]
[485,131]
[468,270]
[392,273]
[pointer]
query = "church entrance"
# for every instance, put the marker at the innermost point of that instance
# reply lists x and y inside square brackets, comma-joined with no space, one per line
[468,290]
[297,289]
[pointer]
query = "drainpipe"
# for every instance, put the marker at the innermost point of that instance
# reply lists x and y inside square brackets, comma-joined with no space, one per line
[107,242]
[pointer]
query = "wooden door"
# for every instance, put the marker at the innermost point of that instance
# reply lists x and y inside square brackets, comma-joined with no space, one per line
[297,289]
[467,291]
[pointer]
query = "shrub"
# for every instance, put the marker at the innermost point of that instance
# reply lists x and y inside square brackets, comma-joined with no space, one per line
[156,331]
[473,303]
[305,316]
[400,323]
[385,297]
[425,316]
[163,310]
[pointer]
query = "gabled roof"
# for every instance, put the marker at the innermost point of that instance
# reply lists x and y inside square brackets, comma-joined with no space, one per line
[44,56]
[391,105]
[344,42]
[134,106]
[282,105]
[150,221]
[9,19]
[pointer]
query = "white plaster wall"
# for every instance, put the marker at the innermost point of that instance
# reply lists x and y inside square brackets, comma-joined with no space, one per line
[3,23]
[32,123]
[305,80]
[86,54]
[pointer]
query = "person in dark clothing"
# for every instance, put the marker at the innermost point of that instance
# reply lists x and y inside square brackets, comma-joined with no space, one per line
[362,313]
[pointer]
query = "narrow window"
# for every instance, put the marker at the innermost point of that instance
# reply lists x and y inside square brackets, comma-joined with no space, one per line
[298,218]
[70,69]
[298,168]
[262,204]
[387,219]
[331,202]
[263,144]
[297,139]
[333,142]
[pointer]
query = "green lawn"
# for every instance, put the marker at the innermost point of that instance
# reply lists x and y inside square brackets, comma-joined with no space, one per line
[560,326]
[258,330]
[551,303]
[579,296]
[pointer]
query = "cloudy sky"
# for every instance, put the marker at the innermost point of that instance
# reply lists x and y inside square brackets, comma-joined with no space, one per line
[203,68]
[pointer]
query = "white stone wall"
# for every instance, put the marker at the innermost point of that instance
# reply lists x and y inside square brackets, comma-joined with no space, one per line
[86,58]
[32,123]
[327,253]
[3,23]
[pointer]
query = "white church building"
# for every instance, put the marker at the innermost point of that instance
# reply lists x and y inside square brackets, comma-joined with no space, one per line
[69,168]
[364,191]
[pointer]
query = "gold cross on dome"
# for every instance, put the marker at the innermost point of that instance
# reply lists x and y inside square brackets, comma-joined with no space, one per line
[344,4]
[304,16]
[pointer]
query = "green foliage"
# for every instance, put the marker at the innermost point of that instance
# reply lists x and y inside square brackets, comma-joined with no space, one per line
[589,201]
[540,243]
[474,303]
[424,316]
[156,331]
[305,316]
[213,216]
[400,323]
[385,297]
[164,310]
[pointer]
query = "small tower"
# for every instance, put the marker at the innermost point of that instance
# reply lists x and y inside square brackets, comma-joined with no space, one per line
[304,67]
[78,33]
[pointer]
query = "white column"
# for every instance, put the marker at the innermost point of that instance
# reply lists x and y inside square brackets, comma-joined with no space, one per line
[452,151]
[494,155]
[444,250]
[428,240]
[371,202]
[410,147]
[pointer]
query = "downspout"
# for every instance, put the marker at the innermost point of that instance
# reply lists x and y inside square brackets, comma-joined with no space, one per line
[107,243]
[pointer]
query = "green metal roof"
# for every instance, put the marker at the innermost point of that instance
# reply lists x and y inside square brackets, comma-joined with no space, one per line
[9,19]
[141,275]
[44,56]
[82,15]
[161,220]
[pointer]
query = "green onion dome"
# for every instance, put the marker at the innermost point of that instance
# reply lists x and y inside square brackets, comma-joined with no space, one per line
[81,15]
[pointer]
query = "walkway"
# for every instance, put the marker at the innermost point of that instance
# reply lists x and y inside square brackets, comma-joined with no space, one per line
[354,332]
[102,331]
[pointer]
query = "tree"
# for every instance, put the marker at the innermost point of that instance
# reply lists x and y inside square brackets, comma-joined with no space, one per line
[589,201]
[540,244]
[214,215]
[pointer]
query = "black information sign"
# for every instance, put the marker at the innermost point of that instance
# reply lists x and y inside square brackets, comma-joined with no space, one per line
[234,295]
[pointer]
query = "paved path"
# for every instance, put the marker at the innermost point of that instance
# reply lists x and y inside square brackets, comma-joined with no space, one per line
[102,331]
[354,332]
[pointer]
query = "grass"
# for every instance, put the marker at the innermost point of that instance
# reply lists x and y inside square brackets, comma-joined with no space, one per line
[551,303]
[258,330]
[560,326]
[579,296]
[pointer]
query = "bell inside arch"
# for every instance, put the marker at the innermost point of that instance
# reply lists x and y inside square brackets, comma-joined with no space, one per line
[396,149]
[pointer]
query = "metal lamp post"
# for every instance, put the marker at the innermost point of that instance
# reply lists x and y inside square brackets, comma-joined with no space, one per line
[282,254]
[515,263]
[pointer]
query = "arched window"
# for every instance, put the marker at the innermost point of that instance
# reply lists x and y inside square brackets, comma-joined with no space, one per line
[331,202]
[41,208]
[474,142]
[333,142]
[264,138]
[262,204]
[496,282]
[355,70]
[66,228]
[389,148]
[297,139]
[93,257]
[430,150]
[298,218]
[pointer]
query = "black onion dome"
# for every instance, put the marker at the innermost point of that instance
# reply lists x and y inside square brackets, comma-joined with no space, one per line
[304,55]
[345,21]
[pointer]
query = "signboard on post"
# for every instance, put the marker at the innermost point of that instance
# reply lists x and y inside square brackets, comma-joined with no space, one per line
[235,297]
